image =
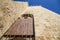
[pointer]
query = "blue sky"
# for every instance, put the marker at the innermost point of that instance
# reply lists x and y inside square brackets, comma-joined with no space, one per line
[53,5]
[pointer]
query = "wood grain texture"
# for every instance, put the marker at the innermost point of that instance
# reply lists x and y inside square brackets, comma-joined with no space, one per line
[21,27]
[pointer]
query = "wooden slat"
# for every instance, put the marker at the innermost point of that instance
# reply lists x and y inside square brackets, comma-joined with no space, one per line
[21,27]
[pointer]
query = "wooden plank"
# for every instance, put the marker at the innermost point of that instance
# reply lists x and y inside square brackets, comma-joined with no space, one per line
[21,27]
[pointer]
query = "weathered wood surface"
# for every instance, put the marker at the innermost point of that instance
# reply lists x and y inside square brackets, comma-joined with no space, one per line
[21,27]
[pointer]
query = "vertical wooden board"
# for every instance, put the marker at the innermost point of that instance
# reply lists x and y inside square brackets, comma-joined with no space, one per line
[30,26]
[21,27]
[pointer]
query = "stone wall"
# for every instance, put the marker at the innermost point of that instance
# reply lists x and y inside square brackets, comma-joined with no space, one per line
[47,23]
[9,12]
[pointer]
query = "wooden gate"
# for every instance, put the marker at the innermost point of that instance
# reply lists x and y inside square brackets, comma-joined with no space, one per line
[22,28]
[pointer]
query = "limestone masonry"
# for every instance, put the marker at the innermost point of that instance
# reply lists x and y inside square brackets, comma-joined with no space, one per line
[47,23]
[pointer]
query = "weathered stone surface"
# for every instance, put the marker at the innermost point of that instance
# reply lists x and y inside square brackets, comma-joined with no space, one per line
[9,12]
[47,23]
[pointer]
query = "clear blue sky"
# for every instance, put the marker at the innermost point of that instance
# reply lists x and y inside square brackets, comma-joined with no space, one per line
[53,5]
